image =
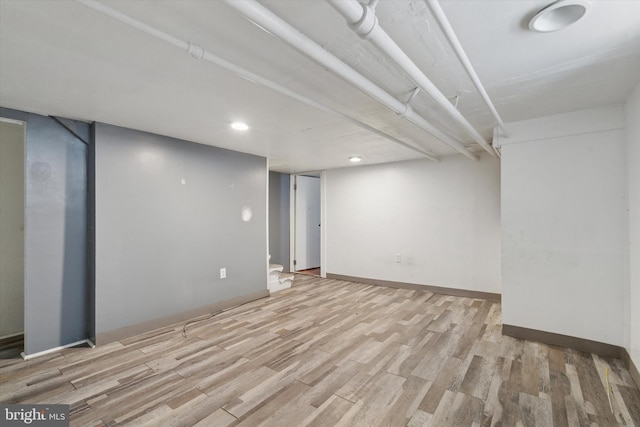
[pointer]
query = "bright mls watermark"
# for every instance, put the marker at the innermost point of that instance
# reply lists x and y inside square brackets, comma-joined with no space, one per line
[34,415]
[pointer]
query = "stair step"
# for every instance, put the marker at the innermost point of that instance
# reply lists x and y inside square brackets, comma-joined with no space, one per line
[275,267]
[283,281]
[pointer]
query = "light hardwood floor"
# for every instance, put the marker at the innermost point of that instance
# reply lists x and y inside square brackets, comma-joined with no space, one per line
[331,353]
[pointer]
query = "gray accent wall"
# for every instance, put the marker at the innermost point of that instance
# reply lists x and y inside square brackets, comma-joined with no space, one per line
[169,216]
[56,290]
[279,223]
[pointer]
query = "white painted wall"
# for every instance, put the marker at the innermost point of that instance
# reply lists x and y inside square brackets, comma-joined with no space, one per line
[442,218]
[632,124]
[11,228]
[564,224]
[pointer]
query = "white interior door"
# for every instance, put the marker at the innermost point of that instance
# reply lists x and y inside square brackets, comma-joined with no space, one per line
[307,222]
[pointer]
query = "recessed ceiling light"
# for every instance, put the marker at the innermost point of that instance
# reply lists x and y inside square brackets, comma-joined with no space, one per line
[239,126]
[355,159]
[559,15]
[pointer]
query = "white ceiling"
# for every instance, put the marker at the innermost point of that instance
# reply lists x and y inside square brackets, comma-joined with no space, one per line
[62,58]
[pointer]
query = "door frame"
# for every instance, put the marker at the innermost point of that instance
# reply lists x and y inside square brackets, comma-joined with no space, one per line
[23,124]
[323,220]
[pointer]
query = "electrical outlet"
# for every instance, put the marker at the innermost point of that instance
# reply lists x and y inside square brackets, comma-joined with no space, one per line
[398,259]
[223,273]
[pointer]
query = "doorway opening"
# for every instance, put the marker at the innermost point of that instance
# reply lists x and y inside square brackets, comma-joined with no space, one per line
[12,160]
[306,224]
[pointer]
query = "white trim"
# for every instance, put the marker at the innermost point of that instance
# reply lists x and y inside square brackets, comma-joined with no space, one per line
[292,222]
[53,350]
[267,224]
[323,222]
[12,121]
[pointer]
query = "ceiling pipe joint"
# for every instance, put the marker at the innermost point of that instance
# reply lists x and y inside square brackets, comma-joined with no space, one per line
[407,110]
[196,51]
[367,24]
[413,95]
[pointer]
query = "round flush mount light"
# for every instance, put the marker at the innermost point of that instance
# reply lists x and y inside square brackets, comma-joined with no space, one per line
[355,159]
[559,15]
[239,126]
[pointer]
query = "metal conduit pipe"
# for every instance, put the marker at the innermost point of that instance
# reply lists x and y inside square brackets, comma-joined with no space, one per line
[362,20]
[273,24]
[447,29]
[200,53]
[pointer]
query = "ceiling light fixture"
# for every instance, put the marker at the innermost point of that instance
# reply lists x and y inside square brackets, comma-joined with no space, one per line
[559,15]
[239,126]
[355,159]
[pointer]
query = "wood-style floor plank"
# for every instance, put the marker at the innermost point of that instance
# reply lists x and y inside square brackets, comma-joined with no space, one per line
[330,353]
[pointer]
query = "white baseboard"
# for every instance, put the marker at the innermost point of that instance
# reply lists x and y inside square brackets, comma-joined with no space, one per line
[53,350]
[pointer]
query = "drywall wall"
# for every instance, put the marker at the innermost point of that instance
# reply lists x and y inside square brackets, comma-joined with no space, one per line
[279,218]
[564,224]
[632,126]
[56,294]
[11,228]
[169,215]
[441,218]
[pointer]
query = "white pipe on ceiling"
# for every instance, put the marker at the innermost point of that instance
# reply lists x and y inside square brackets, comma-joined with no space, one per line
[494,144]
[447,29]
[363,21]
[273,24]
[200,53]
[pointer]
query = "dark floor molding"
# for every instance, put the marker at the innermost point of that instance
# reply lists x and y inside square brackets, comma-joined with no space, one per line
[139,328]
[633,369]
[9,339]
[415,287]
[580,344]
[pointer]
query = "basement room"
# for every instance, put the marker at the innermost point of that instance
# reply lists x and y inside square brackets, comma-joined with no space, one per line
[320,213]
